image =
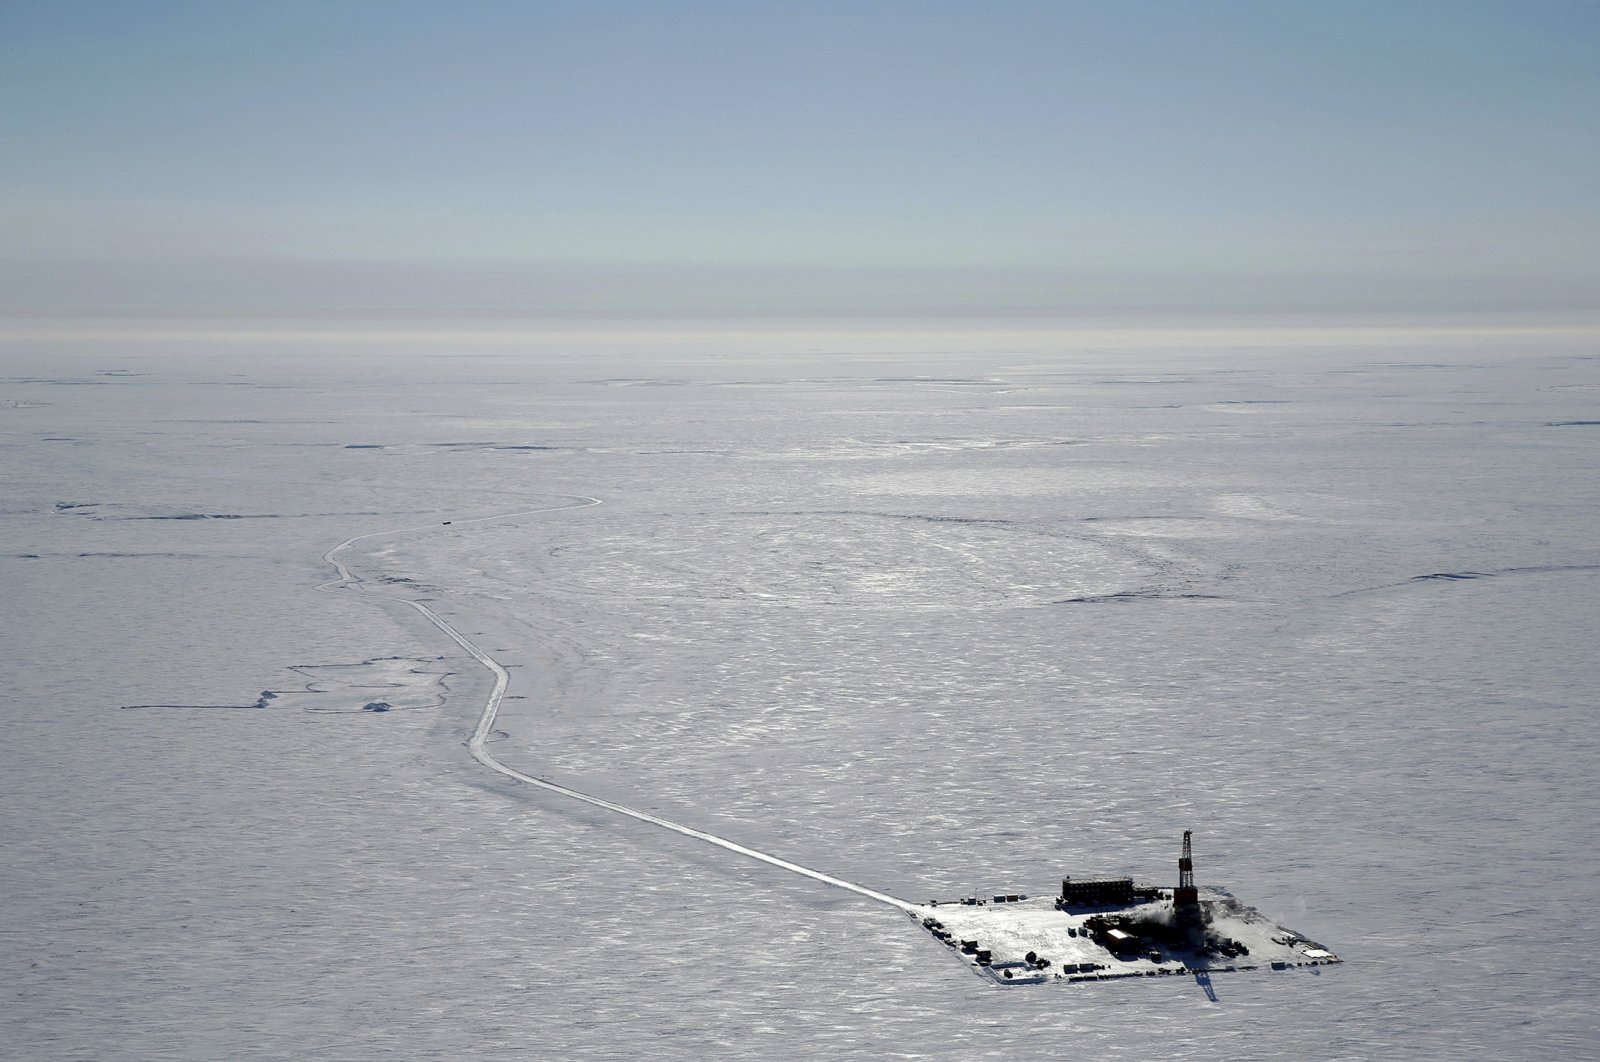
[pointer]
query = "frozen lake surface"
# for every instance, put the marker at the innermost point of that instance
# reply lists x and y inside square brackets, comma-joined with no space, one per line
[937,625]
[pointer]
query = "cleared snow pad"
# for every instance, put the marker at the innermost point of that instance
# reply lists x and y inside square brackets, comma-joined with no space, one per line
[384,684]
[381,684]
[1006,933]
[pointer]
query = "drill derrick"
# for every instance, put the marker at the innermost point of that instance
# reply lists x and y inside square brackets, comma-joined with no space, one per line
[1186,898]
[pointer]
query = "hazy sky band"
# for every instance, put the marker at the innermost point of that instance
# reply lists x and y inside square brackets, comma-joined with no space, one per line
[831,159]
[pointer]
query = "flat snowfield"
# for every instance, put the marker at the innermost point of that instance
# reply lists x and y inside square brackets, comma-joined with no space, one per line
[832,634]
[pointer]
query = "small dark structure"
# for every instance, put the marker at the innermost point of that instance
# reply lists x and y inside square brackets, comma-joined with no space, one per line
[1120,942]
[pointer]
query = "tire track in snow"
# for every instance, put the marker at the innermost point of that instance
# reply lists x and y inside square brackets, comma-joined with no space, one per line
[502,679]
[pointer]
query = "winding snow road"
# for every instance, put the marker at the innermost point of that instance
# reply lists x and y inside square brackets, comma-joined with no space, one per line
[502,679]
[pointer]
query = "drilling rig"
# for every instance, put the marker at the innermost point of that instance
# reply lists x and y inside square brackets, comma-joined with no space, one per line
[1186,898]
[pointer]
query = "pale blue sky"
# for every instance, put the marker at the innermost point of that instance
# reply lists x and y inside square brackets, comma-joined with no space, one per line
[801,159]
